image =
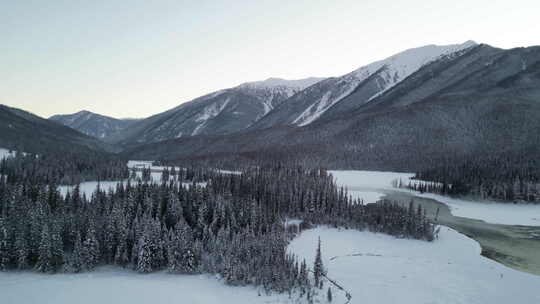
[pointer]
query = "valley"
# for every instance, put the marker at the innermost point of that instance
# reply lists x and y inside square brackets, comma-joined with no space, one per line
[286,191]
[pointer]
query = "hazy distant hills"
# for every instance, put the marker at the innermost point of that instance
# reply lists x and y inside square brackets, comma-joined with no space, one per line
[29,133]
[478,101]
[93,124]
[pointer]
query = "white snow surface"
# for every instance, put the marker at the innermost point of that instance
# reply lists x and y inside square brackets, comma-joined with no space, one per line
[115,285]
[488,211]
[229,172]
[378,268]
[280,82]
[392,70]
[367,197]
[88,188]
[4,153]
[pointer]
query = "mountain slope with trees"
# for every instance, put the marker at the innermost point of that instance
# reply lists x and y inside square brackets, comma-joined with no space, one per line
[23,131]
[93,124]
[219,113]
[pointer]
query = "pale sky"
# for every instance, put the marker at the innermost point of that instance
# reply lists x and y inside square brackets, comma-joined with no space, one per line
[138,58]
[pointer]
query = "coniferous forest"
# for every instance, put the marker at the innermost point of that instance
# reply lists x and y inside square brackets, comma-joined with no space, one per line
[503,177]
[233,225]
[63,168]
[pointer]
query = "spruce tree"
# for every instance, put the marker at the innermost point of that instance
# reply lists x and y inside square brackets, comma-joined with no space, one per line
[329,295]
[4,246]
[144,255]
[76,262]
[44,262]
[318,267]
[90,249]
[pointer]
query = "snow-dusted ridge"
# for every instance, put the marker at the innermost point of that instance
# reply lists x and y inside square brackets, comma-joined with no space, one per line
[391,70]
[280,82]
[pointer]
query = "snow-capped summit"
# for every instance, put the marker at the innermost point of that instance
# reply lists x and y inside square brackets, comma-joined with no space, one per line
[399,66]
[280,82]
[373,79]
[273,91]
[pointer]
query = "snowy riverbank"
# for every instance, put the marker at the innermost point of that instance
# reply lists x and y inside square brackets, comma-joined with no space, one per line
[377,268]
[488,211]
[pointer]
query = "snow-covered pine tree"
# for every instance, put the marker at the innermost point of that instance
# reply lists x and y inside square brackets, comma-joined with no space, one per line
[144,254]
[76,263]
[318,267]
[180,252]
[57,246]
[329,295]
[22,251]
[90,248]
[4,245]
[44,262]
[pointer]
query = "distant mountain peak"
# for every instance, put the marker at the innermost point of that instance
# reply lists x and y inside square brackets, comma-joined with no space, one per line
[91,123]
[410,60]
[280,82]
[391,70]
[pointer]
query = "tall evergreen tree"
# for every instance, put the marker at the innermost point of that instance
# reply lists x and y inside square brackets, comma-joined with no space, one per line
[318,267]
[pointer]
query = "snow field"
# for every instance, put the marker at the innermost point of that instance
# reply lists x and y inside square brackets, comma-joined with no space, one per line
[378,268]
[368,197]
[116,285]
[4,153]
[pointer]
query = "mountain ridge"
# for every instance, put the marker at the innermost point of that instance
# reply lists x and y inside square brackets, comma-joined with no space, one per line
[24,131]
[92,124]
[481,103]
[221,112]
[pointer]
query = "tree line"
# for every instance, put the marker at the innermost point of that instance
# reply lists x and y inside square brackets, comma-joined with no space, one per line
[504,177]
[67,168]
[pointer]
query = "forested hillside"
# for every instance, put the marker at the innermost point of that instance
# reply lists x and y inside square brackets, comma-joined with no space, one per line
[93,124]
[23,131]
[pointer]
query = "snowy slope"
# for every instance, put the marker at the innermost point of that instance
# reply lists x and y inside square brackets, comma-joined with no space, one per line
[271,88]
[370,81]
[390,71]
[92,124]
[218,113]
[117,285]
[377,268]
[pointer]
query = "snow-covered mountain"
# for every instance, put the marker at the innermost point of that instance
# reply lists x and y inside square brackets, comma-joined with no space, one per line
[367,82]
[478,101]
[221,112]
[93,124]
[274,101]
